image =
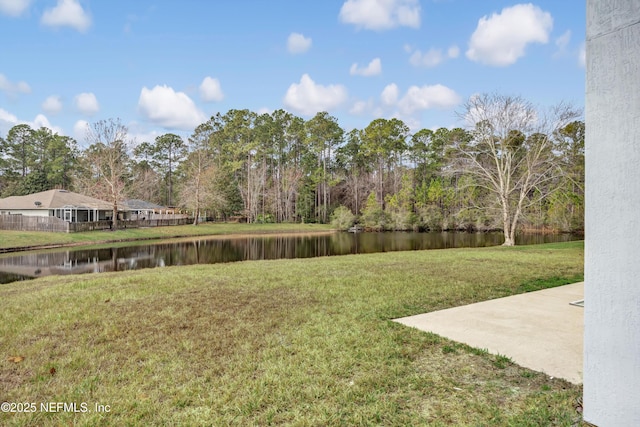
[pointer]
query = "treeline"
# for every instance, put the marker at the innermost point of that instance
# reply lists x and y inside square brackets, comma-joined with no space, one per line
[280,168]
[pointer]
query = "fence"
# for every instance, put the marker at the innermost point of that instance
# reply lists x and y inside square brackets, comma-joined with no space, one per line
[87,226]
[50,223]
[33,223]
[141,223]
[153,216]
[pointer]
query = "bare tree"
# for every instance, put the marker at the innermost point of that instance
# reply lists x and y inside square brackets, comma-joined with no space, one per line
[193,192]
[146,184]
[107,160]
[511,152]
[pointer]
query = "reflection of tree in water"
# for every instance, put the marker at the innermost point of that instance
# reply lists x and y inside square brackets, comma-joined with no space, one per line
[211,251]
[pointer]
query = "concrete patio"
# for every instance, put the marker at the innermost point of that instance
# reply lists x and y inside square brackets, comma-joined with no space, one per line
[539,330]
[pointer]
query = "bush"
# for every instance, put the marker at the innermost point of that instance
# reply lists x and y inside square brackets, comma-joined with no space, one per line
[373,217]
[401,219]
[264,219]
[342,218]
[431,218]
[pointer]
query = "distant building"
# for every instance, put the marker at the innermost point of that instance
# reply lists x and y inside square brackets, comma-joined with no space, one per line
[141,210]
[65,205]
[66,211]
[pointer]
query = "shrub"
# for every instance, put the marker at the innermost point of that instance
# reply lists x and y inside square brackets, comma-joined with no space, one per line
[342,218]
[431,218]
[373,217]
[264,219]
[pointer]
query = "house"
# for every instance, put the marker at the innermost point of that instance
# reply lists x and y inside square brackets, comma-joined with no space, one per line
[65,205]
[141,210]
[66,211]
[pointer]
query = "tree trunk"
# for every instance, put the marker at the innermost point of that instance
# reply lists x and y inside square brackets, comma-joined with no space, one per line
[114,220]
[506,223]
[197,209]
[509,240]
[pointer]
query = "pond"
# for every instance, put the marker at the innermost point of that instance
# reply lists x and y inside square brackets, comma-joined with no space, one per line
[203,250]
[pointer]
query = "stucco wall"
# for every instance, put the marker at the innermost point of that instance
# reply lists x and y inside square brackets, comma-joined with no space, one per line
[612,258]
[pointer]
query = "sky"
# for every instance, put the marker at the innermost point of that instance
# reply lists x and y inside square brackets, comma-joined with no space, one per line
[163,66]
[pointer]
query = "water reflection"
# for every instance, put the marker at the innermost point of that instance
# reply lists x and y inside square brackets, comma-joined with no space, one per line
[210,251]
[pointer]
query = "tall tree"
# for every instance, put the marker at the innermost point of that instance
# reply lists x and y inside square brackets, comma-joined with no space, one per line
[195,188]
[351,160]
[62,154]
[36,160]
[146,183]
[53,159]
[4,173]
[566,209]
[511,153]
[168,151]
[571,148]
[240,149]
[107,160]
[21,148]
[292,171]
[385,144]
[324,135]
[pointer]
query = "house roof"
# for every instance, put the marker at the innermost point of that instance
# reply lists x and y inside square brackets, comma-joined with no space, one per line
[53,199]
[141,204]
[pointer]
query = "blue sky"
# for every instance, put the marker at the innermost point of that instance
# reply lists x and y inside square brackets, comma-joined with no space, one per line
[165,65]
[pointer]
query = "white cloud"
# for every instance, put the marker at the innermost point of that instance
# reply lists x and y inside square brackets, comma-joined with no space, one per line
[41,121]
[412,123]
[501,39]
[428,97]
[389,95]
[11,89]
[52,105]
[23,87]
[428,59]
[432,58]
[373,69]
[210,90]
[298,43]
[7,121]
[381,14]
[169,109]
[309,98]
[138,134]
[6,116]
[361,107]
[67,13]
[87,103]
[582,56]
[358,107]
[14,7]
[80,129]
[563,41]
[417,99]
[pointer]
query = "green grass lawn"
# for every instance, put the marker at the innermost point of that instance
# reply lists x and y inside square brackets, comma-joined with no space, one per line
[305,342]
[17,239]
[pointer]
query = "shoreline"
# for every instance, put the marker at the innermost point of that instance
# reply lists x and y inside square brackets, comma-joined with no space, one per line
[177,237]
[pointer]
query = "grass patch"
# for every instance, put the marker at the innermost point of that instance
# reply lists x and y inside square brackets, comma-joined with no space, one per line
[501,361]
[20,239]
[549,282]
[285,342]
